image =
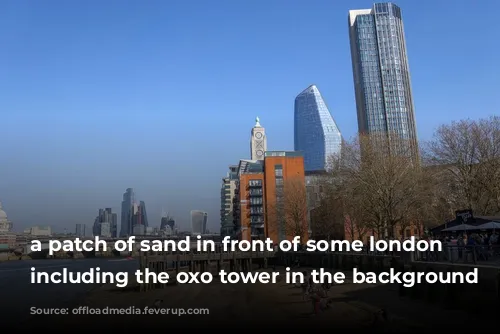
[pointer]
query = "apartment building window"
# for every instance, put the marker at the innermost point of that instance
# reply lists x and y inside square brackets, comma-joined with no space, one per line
[256,210]
[256,200]
[256,192]
[255,183]
[257,220]
[278,171]
[278,174]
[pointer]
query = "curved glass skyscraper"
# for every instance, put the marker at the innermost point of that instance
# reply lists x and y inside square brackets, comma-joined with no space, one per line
[315,132]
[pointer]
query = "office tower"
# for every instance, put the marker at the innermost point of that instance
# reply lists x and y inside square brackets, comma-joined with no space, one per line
[258,141]
[105,224]
[382,77]
[198,221]
[114,225]
[80,230]
[144,216]
[126,218]
[205,221]
[167,222]
[315,132]
[138,227]
[227,194]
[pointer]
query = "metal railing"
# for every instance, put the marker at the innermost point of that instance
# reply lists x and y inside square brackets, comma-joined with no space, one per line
[476,254]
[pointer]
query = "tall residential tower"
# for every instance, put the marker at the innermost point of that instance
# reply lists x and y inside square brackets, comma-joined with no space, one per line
[227,194]
[315,132]
[381,75]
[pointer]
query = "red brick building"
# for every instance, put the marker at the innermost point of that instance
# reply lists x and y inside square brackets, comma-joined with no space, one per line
[272,197]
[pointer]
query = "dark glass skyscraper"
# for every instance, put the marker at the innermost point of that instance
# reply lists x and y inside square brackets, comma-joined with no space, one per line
[167,221]
[126,217]
[315,132]
[381,74]
[144,218]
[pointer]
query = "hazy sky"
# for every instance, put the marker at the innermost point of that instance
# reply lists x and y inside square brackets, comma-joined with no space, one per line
[98,96]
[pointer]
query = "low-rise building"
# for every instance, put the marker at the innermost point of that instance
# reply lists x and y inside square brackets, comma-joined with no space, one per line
[7,240]
[39,231]
[271,197]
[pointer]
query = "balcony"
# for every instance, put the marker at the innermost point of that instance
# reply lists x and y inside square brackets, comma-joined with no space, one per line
[257,233]
[257,221]
[255,193]
[256,213]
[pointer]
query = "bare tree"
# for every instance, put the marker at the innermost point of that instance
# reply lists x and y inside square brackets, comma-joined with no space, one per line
[295,205]
[438,208]
[327,220]
[382,187]
[355,230]
[470,152]
[287,215]
[488,136]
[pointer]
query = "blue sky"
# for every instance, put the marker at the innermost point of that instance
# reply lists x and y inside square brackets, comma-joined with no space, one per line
[98,96]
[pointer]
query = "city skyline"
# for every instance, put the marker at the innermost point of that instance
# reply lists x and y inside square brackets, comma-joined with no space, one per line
[83,107]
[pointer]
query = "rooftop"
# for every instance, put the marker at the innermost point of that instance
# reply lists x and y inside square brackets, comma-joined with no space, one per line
[283,154]
[250,166]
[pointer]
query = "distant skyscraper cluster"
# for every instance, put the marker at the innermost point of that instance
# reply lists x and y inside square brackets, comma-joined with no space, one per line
[384,106]
[134,221]
[167,222]
[167,225]
[105,224]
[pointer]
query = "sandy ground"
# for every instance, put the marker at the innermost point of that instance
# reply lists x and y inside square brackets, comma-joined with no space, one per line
[281,305]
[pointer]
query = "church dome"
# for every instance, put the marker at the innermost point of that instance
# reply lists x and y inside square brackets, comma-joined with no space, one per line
[3,215]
